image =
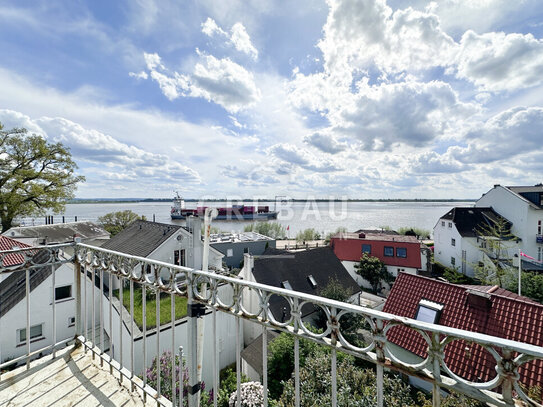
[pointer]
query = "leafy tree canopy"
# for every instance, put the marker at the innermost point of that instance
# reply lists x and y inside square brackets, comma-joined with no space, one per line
[114,222]
[271,229]
[373,270]
[35,175]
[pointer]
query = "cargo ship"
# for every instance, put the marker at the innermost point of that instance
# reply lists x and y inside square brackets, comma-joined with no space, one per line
[234,212]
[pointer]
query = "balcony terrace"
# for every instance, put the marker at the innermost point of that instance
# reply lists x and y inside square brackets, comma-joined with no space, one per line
[89,373]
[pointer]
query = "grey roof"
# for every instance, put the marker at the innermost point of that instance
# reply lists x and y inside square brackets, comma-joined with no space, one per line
[141,238]
[468,219]
[530,194]
[59,233]
[253,352]
[277,266]
[13,288]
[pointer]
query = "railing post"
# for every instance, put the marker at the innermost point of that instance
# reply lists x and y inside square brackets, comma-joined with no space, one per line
[77,283]
[380,360]
[194,312]
[435,352]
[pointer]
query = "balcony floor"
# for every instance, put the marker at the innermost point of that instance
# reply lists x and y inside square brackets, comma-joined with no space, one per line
[71,379]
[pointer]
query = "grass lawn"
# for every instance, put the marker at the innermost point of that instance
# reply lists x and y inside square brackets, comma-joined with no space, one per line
[165,307]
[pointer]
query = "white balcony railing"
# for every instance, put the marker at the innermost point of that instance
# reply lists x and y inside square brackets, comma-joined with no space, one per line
[202,289]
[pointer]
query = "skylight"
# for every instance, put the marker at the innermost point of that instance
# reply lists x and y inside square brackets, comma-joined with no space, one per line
[286,284]
[312,281]
[428,311]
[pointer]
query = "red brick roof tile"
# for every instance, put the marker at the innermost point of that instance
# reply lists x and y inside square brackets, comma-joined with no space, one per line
[9,244]
[510,316]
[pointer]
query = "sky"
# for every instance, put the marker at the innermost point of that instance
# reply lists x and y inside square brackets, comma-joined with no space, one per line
[250,98]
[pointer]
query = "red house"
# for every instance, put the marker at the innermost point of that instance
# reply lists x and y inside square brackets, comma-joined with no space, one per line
[399,253]
[489,310]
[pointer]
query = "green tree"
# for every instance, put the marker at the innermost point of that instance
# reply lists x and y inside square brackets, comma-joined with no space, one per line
[341,229]
[114,222]
[350,324]
[373,270]
[281,360]
[34,175]
[355,386]
[414,231]
[531,284]
[496,240]
[271,229]
[307,234]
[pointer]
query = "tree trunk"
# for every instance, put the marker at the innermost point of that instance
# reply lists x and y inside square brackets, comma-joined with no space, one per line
[6,223]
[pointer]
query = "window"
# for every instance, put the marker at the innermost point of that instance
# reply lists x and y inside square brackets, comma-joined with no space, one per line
[286,284]
[453,242]
[453,261]
[443,223]
[61,293]
[245,250]
[312,281]
[538,227]
[36,331]
[389,251]
[401,252]
[450,224]
[71,321]
[428,311]
[179,257]
[366,248]
[229,252]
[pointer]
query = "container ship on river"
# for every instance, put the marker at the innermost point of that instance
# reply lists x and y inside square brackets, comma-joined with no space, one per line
[234,212]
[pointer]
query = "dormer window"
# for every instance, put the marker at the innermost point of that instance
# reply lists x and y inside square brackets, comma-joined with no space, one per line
[428,311]
[286,284]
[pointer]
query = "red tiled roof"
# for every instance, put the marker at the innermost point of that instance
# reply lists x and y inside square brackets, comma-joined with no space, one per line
[9,244]
[510,316]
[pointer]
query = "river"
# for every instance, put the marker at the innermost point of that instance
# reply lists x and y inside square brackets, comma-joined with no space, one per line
[321,216]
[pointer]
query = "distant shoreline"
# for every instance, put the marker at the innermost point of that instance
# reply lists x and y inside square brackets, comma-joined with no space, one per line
[141,200]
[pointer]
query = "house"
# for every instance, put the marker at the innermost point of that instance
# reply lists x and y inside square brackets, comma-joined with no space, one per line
[484,309]
[523,206]
[46,291]
[306,271]
[235,245]
[399,253]
[88,232]
[458,238]
[165,242]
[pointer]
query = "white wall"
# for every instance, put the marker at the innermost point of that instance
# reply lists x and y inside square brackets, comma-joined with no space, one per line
[444,231]
[394,270]
[41,312]
[523,216]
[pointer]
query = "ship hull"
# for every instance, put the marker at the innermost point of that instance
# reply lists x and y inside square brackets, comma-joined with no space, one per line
[234,217]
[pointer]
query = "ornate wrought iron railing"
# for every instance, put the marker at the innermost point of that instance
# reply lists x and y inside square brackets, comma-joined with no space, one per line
[214,293]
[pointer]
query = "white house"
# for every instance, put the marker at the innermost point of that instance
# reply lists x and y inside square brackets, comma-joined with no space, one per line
[45,290]
[458,240]
[523,206]
[42,235]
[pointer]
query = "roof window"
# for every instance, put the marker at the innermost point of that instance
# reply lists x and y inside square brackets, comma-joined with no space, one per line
[312,281]
[286,284]
[428,311]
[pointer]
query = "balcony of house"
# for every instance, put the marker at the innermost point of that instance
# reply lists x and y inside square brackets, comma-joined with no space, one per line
[113,356]
[539,239]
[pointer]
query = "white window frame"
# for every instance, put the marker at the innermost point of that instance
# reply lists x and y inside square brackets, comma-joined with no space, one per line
[32,338]
[453,241]
[428,311]
[450,224]
[70,297]
[229,252]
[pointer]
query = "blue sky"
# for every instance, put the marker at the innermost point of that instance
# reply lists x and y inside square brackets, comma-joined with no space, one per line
[345,98]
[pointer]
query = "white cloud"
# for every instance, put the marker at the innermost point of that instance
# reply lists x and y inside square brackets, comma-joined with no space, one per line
[139,75]
[499,61]
[238,37]
[210,28]
[241,40]
[294,155]
[221,81]
[516,131]
[325,142]
[91,146]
